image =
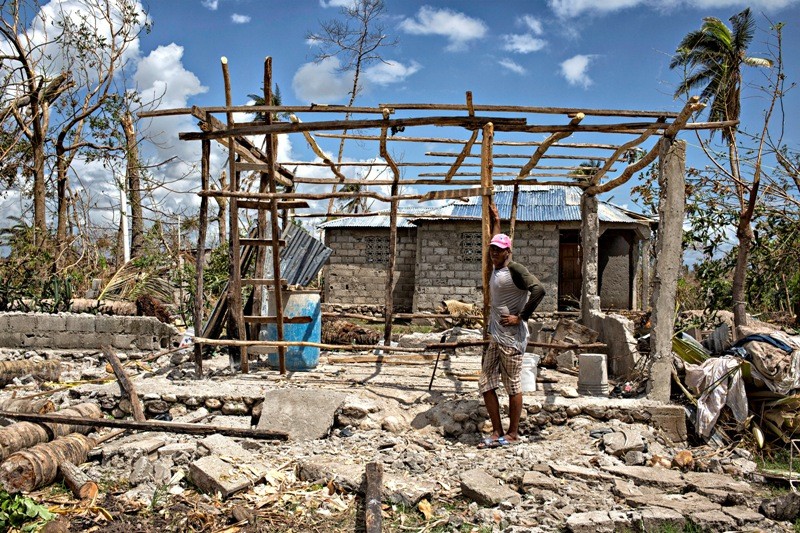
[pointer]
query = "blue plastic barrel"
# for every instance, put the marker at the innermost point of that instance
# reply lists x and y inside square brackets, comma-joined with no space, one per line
[296,303]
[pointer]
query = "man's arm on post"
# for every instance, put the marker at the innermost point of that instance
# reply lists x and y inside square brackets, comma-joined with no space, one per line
[524,280]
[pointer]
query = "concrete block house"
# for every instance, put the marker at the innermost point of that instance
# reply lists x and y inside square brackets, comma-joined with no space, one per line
[439,252]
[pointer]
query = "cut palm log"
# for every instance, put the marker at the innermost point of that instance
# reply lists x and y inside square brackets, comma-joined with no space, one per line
[40,370]
[27,470]
[21,435]
[28,405]
[78,482]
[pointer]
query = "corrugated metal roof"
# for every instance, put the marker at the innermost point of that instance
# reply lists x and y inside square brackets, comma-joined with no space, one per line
[535,203]
[302,257]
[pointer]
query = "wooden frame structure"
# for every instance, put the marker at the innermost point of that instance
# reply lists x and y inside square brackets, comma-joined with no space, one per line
[531,144]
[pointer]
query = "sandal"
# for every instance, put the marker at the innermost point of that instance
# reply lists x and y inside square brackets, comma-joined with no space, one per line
[489,443]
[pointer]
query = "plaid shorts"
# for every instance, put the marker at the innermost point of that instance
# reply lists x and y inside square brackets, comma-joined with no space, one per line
[501,363]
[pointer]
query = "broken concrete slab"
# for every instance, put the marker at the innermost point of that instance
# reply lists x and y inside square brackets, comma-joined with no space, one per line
[691,502]
[223,446]
[143,443]
[538,480]
[713,521]
[406,491]
[598,522]
[303,414]
[660,519]
[579,472]
[479,486]
[709,480]
[621,442]
[212,475]
[743,515]
[647,475]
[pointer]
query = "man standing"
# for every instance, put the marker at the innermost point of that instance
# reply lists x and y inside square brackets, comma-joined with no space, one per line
[515,293]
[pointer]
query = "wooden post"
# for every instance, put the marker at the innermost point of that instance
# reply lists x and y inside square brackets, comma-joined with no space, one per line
[389,294]
[274,229]
[512,223]
[373,494]
[125,384]
[263,186]
[235,309]
[79,483]
[672,201]
[205,175]
[486,184]
[590,233]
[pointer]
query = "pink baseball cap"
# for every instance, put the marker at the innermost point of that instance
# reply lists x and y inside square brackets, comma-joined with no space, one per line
[501,240]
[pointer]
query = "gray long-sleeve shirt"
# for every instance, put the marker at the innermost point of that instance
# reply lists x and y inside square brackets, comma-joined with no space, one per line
[513,291]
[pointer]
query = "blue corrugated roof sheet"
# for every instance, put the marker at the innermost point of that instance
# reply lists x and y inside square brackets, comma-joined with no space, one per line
[535,203]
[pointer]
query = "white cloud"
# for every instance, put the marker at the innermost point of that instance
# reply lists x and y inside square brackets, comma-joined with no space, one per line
[523,44]
[161,75]
[322,82]
[458,28]
[210,4]
[533,24]
[386,73]
[512,66]
[236,18]
[574,8]
[336,3]
[575,70]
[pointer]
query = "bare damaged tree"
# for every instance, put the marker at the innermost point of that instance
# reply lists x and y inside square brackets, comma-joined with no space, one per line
[357,38]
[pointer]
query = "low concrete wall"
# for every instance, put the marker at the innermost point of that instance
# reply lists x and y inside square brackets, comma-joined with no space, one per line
[69,331]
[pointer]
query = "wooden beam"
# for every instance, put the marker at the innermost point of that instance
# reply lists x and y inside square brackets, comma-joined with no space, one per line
[441,140]
[318,151]
[457,193]
[373,517]
[552,139]
[532,109]
[150,425]
[508,124]
[279,109]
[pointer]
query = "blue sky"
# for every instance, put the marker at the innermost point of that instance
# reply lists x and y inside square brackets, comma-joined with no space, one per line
[568,53]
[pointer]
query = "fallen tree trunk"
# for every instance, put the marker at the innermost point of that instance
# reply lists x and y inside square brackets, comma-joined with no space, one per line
[21,435]
[78,482]
[40,370]
[28,405]
[27,470]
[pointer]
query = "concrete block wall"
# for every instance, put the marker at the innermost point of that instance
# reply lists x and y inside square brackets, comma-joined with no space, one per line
[349,279]
[443,275]
[69,331]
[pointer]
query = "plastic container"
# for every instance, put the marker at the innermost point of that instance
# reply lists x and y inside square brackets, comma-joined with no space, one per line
[527,376]
[592,374]
[296,303]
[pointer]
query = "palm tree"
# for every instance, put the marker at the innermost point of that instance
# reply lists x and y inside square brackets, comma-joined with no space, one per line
[713,57]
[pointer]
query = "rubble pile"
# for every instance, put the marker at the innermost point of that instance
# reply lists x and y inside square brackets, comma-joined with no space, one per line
[584,464]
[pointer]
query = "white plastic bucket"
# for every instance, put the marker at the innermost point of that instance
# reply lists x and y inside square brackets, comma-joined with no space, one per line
[528,373]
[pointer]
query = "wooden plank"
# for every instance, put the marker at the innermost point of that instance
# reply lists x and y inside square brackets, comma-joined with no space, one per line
[265,204]
[373,518]
[200,260]
[263,319]
[150,425]
[486,227]
[125,384]
[504,123]
[384,359]
[313,108]
[261,242]
[532,109]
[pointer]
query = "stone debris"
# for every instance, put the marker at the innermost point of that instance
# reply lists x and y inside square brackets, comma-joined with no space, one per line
[581,465]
